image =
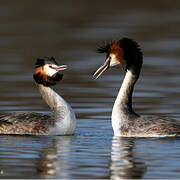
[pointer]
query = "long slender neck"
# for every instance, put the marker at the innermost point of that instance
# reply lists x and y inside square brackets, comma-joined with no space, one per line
[53,100]
[124,98]
[63,115]
[123,113]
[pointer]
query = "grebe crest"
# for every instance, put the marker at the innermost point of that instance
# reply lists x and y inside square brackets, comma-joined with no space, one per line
[125,122]
[48,71]
[124,52]
[62,121]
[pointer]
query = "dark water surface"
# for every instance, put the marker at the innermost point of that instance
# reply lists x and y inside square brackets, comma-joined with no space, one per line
[71,31]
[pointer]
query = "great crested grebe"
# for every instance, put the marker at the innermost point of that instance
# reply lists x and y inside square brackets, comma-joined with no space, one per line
[125,122]
[62,121]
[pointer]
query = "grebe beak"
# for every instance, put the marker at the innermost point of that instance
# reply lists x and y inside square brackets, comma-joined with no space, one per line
[61,68]
[102,68]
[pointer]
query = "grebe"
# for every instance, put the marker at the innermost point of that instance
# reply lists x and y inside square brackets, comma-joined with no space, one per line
[125,122]
[62,121]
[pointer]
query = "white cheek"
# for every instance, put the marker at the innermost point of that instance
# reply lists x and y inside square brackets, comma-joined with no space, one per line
[114,61]
[49,71]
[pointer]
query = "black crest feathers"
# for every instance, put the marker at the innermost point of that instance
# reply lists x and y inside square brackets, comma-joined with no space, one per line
[39,62]
[132,53]
[131,47]
[104,48]
[46,60]
[52,60]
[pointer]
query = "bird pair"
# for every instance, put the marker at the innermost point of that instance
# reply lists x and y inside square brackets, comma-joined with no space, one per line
[125,122]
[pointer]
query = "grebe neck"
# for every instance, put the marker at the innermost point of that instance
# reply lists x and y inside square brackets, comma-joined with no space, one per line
[63,115]
[122,111]
[124,98]
[53,100]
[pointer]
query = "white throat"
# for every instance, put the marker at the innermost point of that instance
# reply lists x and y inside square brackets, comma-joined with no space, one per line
[125,85]
[64,117]
[122,108]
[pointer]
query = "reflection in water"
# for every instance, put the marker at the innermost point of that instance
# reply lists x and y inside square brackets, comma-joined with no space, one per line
[123,163]
[54,158]
[71,32]
[47,159]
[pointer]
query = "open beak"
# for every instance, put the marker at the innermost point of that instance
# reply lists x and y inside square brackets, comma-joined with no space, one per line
[102,68]
[61,68]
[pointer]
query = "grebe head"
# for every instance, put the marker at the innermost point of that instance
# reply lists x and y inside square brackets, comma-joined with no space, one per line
[124,52]
[48,71]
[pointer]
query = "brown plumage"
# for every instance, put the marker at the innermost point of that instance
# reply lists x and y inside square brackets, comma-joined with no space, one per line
[25,123]
[62,120]
[41,77]
[117,50]
[125,121]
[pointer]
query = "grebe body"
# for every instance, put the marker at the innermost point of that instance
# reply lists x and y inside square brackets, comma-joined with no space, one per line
[62,121]
[125,121]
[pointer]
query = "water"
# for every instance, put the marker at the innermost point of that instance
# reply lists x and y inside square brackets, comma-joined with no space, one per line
[71,31]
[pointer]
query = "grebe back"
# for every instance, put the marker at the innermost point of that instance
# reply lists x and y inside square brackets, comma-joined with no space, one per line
[125,121]
[62,121]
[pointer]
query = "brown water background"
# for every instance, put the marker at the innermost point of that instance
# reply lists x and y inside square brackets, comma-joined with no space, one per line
[71,31]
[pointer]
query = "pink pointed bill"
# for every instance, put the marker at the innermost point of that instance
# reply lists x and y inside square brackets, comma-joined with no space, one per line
[61,68]
[102,69]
